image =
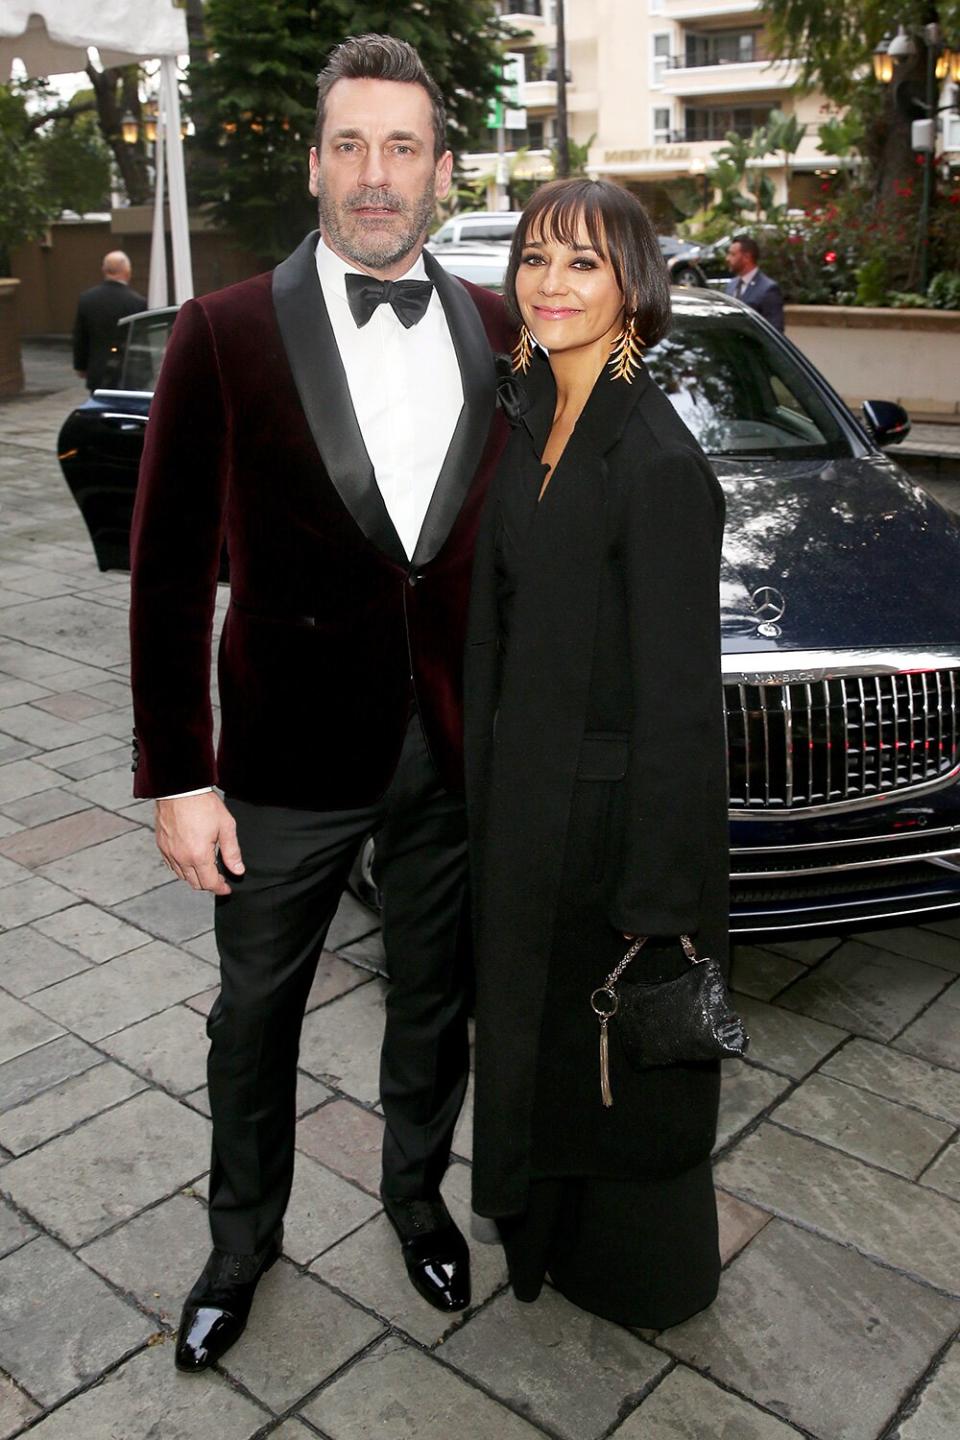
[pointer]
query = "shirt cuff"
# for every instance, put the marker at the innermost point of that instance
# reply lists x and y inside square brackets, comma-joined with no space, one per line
[182,794]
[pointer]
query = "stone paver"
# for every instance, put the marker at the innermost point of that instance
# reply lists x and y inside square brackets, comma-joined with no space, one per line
[146,1398]
[170,1049]
[14,1230]
[904,1078]
[22,1028]
[761,973]
[368,1266]
[838,1192]
[738,1223]
[559,1366]
[62,1325]
[340,1042]
[935,1417]
[779,1040]
[121,991]
[834,1339]
[864,1125]
[173,912]
[944,1173]
[300,1334]
[66,836]
[15,1408]
[746,1092]
[30,961]
[40,1069]
[868,991]
[936,1034]
[65,1105]
[678,1406]
[324,1208]
[92,932]
[397,1391]
[80,1184]
[114,871]
[346,1138]
[156,1256]
[879,1213]
[919,944]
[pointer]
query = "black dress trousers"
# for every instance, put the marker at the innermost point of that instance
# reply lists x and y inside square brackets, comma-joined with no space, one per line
[270,932]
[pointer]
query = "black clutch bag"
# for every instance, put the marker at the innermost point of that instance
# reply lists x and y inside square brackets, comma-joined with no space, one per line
[687,1019]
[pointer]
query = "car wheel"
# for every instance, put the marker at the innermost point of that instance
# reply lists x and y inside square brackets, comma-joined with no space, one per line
[686,275]
[361,882]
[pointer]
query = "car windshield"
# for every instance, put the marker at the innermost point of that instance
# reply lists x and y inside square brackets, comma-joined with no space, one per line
[741,392]
[147,337]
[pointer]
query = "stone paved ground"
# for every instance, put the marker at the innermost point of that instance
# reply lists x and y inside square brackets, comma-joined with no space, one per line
[838,1168]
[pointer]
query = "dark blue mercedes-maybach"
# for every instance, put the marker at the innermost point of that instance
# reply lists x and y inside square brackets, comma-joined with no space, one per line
[841,619]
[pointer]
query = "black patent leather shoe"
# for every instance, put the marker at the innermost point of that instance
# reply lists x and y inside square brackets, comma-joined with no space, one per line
[435,1253]
[216,1310]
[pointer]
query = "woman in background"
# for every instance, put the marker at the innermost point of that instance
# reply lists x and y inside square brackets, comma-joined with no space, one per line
[596,775]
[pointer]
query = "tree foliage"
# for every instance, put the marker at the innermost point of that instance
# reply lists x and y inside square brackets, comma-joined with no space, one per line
[835,40]
[26,208]
[253,91]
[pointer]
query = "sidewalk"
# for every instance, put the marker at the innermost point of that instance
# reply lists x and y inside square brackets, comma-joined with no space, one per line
[838,1161]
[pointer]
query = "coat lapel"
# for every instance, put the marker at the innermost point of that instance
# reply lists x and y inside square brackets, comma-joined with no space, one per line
[321,383]
[479,397]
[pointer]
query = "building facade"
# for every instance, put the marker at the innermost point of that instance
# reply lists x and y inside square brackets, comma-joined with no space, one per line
[653,88]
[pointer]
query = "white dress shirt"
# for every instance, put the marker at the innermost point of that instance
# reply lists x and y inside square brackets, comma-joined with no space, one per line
[406,391]
[407,394]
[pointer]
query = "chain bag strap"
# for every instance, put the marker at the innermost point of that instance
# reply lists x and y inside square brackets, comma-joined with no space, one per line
[679,1021]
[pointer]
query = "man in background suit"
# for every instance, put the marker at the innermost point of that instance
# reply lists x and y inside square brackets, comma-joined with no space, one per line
[334,423]
[98,310]
[749,283]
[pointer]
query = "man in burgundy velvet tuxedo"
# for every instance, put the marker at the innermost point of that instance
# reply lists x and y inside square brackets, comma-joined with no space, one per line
[333,423]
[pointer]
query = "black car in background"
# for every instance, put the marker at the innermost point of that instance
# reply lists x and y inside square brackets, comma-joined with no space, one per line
[840,621]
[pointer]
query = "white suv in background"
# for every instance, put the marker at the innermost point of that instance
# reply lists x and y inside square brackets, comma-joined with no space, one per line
[477,227]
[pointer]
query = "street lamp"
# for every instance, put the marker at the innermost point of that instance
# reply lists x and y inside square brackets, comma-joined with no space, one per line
[940,61]
[129,128]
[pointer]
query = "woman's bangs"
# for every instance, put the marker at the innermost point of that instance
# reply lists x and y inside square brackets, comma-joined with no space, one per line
[564,220]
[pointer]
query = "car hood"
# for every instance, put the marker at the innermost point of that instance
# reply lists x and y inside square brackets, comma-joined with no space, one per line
[856,554]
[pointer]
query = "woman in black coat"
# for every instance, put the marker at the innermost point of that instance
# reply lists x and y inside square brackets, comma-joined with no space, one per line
[596,775]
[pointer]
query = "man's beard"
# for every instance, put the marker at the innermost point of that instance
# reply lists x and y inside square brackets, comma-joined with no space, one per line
[369,242]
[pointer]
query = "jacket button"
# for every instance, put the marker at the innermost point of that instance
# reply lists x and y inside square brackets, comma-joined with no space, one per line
[414,577]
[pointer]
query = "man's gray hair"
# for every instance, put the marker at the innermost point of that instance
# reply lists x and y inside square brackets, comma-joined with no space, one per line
[380,57]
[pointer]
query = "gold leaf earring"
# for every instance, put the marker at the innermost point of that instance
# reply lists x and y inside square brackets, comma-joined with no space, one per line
[625,352]
[522,352]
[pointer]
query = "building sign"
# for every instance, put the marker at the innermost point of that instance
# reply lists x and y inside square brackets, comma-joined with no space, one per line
[650,155]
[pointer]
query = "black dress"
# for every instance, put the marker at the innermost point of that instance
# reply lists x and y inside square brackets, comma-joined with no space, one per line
[637,1249]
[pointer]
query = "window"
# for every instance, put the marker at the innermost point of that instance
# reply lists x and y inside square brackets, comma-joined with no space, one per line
[722,47]
[660,57]
[661,125]
[715,124]
[741,393]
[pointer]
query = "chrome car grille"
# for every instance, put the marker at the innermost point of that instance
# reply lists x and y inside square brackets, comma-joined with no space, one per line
[840,739]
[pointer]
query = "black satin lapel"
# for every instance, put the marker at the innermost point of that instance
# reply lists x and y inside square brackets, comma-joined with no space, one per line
[475,359]
[321,383]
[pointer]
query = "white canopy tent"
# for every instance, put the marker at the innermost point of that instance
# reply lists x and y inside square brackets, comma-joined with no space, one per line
[51,37]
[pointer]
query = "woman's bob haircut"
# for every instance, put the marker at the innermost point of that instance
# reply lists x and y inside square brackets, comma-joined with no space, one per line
[617,227]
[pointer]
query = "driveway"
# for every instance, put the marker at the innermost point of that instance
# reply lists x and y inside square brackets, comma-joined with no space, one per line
[838,1165]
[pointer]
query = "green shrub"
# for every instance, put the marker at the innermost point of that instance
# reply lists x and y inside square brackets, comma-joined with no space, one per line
[872,281]
[943,292]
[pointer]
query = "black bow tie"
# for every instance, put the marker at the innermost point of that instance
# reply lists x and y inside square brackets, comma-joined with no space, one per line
[408,298]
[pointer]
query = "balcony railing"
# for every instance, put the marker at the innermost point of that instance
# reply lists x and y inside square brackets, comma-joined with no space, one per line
[698,62]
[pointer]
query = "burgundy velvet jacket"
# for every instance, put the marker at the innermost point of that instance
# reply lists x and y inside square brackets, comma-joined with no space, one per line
[331,632]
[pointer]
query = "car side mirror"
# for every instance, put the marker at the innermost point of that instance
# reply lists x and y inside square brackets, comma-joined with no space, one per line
[888,423]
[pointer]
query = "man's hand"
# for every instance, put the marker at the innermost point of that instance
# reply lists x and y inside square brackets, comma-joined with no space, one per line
[190,830]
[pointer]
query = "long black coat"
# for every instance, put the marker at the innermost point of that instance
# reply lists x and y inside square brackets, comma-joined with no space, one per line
[596,782]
